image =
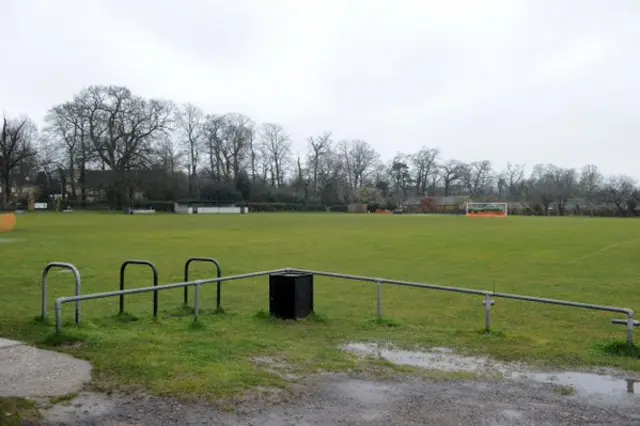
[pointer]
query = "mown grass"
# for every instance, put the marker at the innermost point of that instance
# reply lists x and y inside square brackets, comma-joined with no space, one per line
[18,412]
[592,260]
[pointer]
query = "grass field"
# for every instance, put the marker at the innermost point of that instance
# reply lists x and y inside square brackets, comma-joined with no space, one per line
[591,260]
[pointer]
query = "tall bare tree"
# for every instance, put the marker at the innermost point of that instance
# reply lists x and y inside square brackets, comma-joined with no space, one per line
[359,159]
[191,123]
[591,181]
[67,126]
[170,156]
[237,135]
[566,183]
[425,164]
[319,148]
[16,146]
[122,128]
[620,190]
[400,175]
[277,148]
[450,172]
[254,152]
[215,147]
[511,182]
[542,186]
[476,177]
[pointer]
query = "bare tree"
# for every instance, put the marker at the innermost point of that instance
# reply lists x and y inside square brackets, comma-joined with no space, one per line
[237,135]
[215,147]
[170,156]
[300,184]
[67,125]
[15,148]
[80,113]
[542,186]
[620,190]
[277,148]
[342,151]
[253,156]
[49,160]
[425,163]
[512,182]
[450,172]
[359,158]
[319,148]
[122,128]
[400,175]
[566,183]
[191,123]
[590,184]
[476,177]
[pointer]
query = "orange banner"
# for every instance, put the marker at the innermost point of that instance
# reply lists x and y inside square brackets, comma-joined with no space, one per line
[7,222]
[487,214]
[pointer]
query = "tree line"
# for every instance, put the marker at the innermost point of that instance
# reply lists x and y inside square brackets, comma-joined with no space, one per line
[110,146]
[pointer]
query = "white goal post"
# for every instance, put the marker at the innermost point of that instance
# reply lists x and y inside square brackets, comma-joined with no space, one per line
[486,209]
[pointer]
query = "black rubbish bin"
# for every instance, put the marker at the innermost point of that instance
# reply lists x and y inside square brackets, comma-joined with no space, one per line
[290,295]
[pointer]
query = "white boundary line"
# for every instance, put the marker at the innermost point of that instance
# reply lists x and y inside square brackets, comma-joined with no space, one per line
[602,250]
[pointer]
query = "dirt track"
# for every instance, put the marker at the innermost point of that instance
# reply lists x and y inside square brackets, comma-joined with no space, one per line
[514,395]
[338,399]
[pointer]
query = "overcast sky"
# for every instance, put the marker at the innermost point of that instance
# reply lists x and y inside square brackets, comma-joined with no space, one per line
[530,82]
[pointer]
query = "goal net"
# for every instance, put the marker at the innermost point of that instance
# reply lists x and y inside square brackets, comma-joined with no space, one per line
[486,209]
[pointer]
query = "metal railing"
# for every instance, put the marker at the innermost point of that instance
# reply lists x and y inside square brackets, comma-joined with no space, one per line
[123,268]
[487,302]
[45,286]
[218,275]
[62,300]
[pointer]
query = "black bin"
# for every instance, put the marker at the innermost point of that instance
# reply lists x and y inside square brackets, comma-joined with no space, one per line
[290,295]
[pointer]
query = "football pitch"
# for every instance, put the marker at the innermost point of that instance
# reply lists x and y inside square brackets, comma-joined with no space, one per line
[577,259]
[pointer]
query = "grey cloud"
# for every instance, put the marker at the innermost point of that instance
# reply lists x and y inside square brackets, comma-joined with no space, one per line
[511,80]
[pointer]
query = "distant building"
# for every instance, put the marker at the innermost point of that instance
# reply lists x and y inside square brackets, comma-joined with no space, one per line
[437,204]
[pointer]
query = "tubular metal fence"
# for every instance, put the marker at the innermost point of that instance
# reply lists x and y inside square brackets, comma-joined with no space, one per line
[488,296]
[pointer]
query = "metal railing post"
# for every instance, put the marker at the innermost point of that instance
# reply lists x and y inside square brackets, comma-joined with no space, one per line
[45,286]
[488,303]
[123,267]
[196,303]
[630,385]
[379,284]
[630,326]
[58,315]
[218,275]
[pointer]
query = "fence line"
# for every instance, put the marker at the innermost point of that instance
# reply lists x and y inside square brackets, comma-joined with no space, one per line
[488,296]
[62,300]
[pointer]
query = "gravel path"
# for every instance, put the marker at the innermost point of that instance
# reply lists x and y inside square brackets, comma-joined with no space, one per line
[339,399]
[326,399]
[27,371]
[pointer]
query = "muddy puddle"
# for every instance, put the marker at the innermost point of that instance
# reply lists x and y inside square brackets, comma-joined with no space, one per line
[86,405]
[588,384]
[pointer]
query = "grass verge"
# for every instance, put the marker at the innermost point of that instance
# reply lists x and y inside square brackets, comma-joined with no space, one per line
[18,412]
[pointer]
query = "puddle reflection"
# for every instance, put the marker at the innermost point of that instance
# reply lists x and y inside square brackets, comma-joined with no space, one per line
[443,359]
